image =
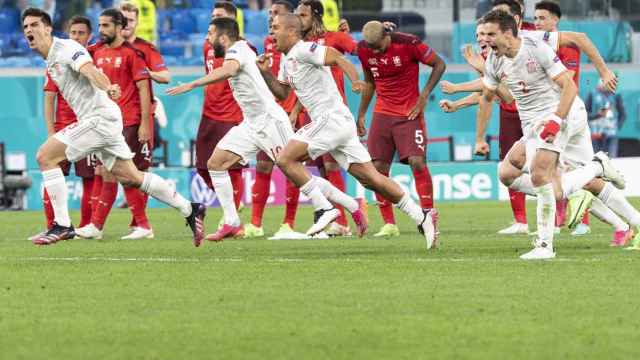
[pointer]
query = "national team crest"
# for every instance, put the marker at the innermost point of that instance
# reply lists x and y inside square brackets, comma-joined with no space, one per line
[531,65]
[118,62]
[396,61]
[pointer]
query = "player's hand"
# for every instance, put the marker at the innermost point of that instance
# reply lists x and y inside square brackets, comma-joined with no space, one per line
[344,26]
[448,106]
[180,89]
[144,133]
[114,91]
[482,148]
[389,26]
[473,58]
[362,129]
[358,86]
[610,81]
[448,88]
[418,108]
[264,62]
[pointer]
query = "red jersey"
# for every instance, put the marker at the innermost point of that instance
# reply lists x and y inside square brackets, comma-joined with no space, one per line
[344,43]
[528,26]
[152,59]
[395,72]
[570,57]
[270,48]
[124,66]
[219,103]
[64,114]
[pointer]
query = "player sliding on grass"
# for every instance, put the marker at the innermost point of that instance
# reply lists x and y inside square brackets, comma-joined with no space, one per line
[98,130]
[266,127]
[305,69]
[555,129]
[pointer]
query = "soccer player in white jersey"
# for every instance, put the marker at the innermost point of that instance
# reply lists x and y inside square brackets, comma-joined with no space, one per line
[98,130]
[305,69]
[554,123]
[265,127]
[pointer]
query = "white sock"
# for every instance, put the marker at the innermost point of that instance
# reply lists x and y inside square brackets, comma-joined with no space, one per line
[615,200]
[159,189]
[58,194]
[222,185]
[523,184]
[313,192]
[602,212]
[334,195]
[546,213]
[575,180]
[409,207]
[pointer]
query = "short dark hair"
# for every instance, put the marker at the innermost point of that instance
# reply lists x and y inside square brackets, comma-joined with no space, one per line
[227,26]
[514,6]
[551,7]
[317,10]
[505,21]
[79,19]
[227,6]
[287,5]
[44,17]
[116,16]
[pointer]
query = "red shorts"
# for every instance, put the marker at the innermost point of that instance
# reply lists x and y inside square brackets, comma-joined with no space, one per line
[389,133]
[142,151]
[210,132]
[510,131]
[84,168]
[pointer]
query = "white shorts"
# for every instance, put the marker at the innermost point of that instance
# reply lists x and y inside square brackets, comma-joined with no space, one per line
[572,143]
[246,142]
[336,136]
[97,135]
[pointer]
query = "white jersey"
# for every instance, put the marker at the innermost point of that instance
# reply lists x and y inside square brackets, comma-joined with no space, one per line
[249,88]
[550,38]
[63,65]
[529,78]
[303,69]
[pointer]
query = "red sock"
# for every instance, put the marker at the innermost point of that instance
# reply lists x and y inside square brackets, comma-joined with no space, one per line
[238,185]
[259,196]
[48,209]
[107,198]
[291,206]
[336,179]
[95,193]
[85,205]
[561,212]
[135,199]
[585,218]
[386,208]
[518,206]
[424,187]
[204,174]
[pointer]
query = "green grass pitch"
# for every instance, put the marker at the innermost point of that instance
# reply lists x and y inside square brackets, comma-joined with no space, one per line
[341,298]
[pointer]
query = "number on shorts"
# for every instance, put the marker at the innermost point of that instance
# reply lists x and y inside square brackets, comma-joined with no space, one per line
[92,160]
[419,137]
[275,151]
[144,150]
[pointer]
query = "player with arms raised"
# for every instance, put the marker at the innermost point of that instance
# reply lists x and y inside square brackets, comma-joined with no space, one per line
[98,130]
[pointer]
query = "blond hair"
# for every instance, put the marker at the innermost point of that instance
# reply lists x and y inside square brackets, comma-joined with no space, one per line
[373,31]
[130,7]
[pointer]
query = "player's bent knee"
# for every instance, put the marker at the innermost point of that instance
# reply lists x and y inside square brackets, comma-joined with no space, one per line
[539,178]
[595,186]
[417,163]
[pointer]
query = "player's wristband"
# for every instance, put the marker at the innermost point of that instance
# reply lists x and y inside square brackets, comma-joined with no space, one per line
[552,127]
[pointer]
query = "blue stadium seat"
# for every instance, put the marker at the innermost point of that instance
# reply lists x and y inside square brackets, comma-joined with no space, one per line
[203,4]
[182,21]
[256,22]
[173,44]
[5,44]
[163,21]
[242,4]
[9,21]
[202,18]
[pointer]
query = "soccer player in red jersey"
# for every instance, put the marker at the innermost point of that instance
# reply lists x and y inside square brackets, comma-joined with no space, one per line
[124,66]
[261,188]
[391,62]
[311,13]
[60,116]
[220,112]
[159,73]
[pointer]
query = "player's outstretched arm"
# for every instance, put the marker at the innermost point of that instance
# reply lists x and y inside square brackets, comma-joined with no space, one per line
[469,86]
[279,90]
[582,42]
[474,59]
[228,69]
[333,57]
[449,106]
[49,111]
[485,104]
[161,77]
[365,100]
[100,80]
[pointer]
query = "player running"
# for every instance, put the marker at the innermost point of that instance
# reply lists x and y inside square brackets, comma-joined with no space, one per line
[304,68]
[98,130]
[265,127]
[554,126]
[59,115]
[391,62]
